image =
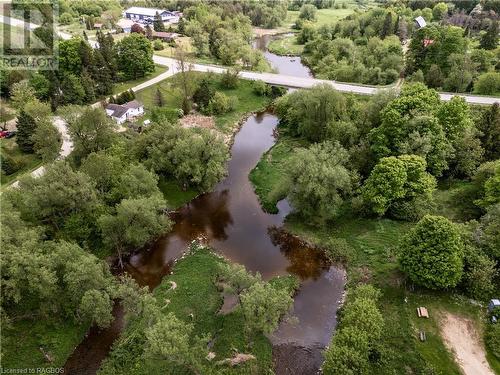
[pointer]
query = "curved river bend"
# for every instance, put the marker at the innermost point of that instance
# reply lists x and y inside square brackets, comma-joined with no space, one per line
[232,221]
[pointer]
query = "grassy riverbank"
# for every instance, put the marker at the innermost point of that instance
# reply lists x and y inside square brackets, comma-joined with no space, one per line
[246,100]
[286,46]
[373,260]
[196,300]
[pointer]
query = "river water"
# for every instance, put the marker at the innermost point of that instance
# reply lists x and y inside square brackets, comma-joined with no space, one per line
[288,65]
[232,221]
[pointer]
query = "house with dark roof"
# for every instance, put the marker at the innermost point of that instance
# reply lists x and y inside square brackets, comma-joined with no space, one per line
[123,112]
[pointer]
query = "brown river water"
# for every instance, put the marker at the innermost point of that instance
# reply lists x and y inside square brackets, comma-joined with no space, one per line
[232,221]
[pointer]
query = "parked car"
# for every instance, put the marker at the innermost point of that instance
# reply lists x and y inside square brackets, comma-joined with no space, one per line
[3,134]
[11,134]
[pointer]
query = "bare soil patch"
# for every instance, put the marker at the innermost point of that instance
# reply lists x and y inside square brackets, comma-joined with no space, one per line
[461,337]
[198,121]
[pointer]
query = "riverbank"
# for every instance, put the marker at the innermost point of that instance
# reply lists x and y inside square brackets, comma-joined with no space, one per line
[197,299]
[286,46]
[370,257]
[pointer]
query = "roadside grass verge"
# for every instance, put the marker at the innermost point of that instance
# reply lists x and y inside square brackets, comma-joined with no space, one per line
[126,85]
[196,300]
[24,162]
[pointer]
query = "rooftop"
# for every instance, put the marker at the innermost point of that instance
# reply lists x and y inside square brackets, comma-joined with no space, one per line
[145,11]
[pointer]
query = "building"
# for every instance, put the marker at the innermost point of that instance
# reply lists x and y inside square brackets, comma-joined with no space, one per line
[148,14]
[125,25]
[420,22]
[123,112]
[164,36]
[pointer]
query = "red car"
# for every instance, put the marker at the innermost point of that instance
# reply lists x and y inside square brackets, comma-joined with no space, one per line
[4,134]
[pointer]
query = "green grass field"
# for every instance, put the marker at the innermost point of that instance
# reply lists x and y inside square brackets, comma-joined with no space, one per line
[196,300]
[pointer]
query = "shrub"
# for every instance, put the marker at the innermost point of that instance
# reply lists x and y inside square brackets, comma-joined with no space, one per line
[158,45]
[65,18]
[488,83]
[339,250]
[260,88]
[492,339]
[219,104]
[10,165]
[230,78]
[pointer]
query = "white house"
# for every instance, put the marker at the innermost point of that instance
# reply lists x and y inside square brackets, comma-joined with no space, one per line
[420,22]
[148,14]
[123,112]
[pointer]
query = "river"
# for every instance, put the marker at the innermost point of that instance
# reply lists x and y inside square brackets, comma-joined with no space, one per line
[233,223]
[288,65]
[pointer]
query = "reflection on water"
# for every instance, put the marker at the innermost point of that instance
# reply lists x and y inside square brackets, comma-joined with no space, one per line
[287,65]
[231,219]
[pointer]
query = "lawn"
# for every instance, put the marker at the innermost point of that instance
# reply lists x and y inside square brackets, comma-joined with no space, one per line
[247,102]
[124,86]
[23,162]
[195,300]
[374,242]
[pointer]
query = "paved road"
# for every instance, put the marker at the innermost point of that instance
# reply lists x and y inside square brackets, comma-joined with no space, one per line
[274,79]
[66,147]
[300,82]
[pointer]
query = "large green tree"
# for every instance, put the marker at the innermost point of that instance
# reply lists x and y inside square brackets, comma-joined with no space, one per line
[431,254]
[399,185]
[134,55]
[136,222]
[319,181]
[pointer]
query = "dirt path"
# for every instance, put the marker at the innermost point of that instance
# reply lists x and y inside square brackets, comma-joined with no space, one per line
[462,339]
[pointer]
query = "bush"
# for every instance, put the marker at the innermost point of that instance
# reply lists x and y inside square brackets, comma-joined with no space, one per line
[158,45]
[65,18]
[492,339]
[260,88]
[10,165]
[219,104]
[488,83]
[230,78]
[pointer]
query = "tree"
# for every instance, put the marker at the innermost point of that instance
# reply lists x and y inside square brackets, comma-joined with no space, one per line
[488,232]
[387,27]
[432,253]
[96,306]
[158,24]
[184,80]
[400,185]
[53,198]
[46,141]
[172,340]
[309,113]
[490,129]
[236,277]
[135,56]
[219,104]
[308,12]
[479,274]
[20,94]
[136,182]
[203,94]
[492,339]
[439,11]
[402,29]
[137,29]
[487,83]
[41,85]
[26,127]
[360,329]
[72,90]
[489,40]
[319,181]
[159,100]
[91,131]
[136,222]
[434,77]
[104,170]
[263,305]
